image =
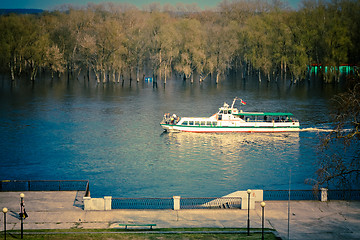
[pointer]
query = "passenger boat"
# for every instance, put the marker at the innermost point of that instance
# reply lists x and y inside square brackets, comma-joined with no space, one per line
[230,119]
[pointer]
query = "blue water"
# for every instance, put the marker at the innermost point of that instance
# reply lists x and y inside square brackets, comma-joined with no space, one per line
[110,134]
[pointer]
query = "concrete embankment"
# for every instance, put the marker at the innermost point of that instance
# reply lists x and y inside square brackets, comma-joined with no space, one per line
[308,219]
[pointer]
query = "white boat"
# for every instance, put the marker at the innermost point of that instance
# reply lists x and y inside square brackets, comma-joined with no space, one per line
[230,119]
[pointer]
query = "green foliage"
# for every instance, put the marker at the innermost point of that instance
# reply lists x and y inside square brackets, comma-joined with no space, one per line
[113,40]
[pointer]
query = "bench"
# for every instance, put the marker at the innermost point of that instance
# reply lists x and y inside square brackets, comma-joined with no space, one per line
[136,225]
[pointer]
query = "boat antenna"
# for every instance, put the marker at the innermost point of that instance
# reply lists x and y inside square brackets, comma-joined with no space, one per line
[236,98]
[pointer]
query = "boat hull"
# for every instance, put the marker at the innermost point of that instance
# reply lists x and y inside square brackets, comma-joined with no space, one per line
[197,129]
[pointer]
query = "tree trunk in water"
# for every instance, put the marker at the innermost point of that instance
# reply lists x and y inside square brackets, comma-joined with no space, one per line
[137,73]
[88,73]
[68,72]
[103,72]
[33,73]
[259,76]
[217,77]
[97,75]
[130,78]
[113,76]
[160,63]
[20,66]
[118,77]
[248,68]
[12,72]
[122,77]
[154,81]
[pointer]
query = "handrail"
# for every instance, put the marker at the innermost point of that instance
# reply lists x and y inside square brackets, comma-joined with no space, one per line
[87,191]
[45,185]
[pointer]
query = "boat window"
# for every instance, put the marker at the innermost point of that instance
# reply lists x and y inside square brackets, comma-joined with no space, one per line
[185,123]
[197,123]
[214,123]
[191,123]
[225,111]
[203,123]
[208,123]
[221,111]
[229,112]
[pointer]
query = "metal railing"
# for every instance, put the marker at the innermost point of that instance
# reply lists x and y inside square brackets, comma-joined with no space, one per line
[142,203]
[311,195]
[168,203]
[44,185]
[294,195]
[343,194]
[210,203]
[230,202]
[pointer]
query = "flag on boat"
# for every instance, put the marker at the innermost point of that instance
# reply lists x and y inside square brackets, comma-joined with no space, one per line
[242,102]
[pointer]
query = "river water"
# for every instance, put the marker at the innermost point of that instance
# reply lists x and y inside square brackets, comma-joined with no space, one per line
[110,134]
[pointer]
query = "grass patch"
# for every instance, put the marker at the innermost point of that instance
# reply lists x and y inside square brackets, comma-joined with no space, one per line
[141,234]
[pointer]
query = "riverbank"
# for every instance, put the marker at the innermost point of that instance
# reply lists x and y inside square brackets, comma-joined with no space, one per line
[308,219]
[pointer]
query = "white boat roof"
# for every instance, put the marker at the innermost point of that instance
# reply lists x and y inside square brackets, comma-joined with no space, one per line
[263,114]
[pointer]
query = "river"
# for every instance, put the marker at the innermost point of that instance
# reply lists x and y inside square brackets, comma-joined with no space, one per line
[110,134]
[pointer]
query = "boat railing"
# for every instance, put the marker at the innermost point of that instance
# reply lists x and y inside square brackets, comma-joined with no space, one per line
[170,119]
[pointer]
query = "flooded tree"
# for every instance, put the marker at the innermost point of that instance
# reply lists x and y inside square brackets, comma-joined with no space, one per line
[135,25]
[112,40]
[191,47]
[221,45]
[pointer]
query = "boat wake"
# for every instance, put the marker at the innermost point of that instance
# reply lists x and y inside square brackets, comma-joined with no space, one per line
[312,129]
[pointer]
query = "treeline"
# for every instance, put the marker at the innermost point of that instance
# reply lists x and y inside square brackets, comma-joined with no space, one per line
[113,42]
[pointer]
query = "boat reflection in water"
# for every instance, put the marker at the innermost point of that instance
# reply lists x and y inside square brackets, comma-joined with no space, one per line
[231,143]
[236,161]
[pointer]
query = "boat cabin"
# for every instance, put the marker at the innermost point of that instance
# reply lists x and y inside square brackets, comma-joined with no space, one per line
[266,117]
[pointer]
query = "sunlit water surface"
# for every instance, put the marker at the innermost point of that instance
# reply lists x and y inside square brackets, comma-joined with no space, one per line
[110,134]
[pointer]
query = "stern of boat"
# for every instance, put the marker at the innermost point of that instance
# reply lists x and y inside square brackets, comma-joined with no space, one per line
[169,121]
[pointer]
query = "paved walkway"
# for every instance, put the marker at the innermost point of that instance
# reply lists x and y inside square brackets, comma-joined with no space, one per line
[308,219]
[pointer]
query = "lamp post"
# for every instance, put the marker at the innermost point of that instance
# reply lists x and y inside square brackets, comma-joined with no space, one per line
[22,213]
[248,221]
[5,210]
[262,221]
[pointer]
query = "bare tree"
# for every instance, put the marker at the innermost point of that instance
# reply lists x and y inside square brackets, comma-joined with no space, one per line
[339,163]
